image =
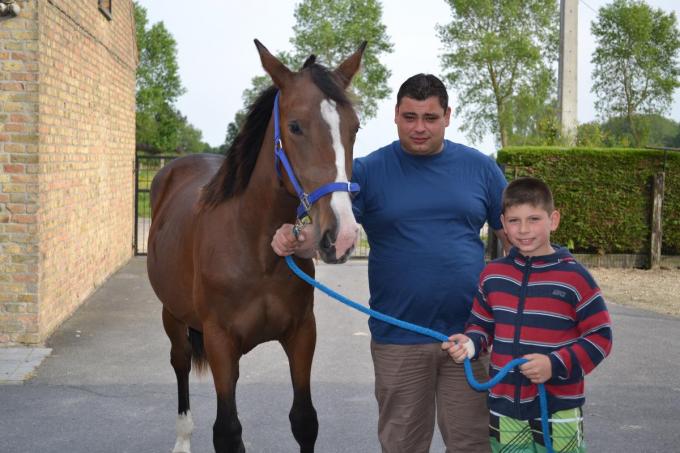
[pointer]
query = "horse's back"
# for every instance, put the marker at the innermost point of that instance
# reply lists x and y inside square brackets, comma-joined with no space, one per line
[181,172]
[175,198]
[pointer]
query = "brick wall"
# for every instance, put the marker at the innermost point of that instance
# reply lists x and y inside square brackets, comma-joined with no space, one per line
[67,151]
[19,256]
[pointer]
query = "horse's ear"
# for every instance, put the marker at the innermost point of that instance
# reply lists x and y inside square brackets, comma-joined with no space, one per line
[309,61]
[350,66]
[279,73]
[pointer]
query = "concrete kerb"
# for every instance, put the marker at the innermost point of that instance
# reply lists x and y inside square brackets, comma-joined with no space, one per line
[17,364]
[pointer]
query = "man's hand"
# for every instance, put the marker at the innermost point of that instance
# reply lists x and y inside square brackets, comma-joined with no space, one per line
[285,243]
[538,369]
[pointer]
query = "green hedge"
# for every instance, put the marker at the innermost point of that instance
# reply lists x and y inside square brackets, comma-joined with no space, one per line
[604,195]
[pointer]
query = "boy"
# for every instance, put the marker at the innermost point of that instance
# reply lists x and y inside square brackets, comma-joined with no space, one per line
[540,304]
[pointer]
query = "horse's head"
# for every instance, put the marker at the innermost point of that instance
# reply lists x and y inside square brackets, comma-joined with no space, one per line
[318,126]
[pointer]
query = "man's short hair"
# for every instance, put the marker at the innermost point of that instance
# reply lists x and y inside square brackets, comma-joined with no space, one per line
[528,190]
[423,86]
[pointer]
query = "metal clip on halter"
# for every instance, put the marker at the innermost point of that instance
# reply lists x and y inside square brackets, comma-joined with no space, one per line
[300,224]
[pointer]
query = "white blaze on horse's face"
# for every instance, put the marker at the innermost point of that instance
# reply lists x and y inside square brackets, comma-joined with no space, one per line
[340,202]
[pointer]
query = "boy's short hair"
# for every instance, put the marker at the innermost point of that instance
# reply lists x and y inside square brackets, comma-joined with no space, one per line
[528,190]
[422,86]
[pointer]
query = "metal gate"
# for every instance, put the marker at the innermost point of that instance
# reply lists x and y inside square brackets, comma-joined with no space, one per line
[146,168]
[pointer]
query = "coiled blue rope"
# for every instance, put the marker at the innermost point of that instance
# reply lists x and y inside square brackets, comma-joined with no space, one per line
[543,399]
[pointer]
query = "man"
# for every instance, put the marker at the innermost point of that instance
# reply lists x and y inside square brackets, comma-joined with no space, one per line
[422,203]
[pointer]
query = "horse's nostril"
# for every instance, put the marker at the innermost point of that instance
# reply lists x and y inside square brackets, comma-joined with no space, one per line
[326,241]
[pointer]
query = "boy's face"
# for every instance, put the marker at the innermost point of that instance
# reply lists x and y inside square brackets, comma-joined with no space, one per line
[528,228]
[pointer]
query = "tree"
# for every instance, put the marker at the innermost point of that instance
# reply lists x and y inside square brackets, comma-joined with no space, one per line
[158,86]
[500,56]
[636,61]
[591,135]
[259,84]
[190,138]
[333,29]
[654,130]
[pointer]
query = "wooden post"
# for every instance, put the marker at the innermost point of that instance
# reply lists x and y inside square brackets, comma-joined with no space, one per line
[494,245]
[657,233]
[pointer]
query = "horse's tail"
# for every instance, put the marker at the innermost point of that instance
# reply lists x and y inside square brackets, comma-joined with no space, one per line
[198,357]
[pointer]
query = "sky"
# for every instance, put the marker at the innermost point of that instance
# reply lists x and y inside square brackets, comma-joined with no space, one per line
[217,58]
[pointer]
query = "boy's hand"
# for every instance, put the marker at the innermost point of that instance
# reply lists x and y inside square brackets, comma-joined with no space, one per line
[538,369]
[459,347]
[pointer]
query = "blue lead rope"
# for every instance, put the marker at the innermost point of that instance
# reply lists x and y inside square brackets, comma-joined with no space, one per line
[543,400]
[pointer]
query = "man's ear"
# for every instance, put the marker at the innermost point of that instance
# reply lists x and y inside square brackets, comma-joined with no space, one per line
[447,116]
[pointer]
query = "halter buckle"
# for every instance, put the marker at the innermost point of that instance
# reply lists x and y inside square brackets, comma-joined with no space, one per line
[304,201]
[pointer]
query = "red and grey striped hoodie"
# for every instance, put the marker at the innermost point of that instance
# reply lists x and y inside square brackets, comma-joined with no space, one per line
[541,304]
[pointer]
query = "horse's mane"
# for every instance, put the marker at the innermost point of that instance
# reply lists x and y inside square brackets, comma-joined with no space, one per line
[234,175]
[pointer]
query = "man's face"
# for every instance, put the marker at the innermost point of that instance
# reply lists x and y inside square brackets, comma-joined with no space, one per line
[421,125]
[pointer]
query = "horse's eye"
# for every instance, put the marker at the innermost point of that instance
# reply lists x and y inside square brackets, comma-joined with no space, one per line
[295,128]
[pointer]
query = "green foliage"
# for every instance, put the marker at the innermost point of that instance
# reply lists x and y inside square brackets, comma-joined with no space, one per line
[540,129]
[590,135]
[160,127]
[158,85]
[499,57]
[636,62]
[259,84]
[604,195]
[653,130]
[191,139]
[332,30]
[676,141]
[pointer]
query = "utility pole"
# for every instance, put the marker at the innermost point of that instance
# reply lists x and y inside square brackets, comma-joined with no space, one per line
[567,80]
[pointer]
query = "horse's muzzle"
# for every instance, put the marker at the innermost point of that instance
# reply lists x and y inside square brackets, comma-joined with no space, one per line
[335,249]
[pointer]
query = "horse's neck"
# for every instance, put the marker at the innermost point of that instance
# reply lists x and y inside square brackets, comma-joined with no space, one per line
[265,204]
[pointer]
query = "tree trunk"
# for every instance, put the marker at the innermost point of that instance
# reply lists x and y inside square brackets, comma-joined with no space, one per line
[504,135]
[630,114]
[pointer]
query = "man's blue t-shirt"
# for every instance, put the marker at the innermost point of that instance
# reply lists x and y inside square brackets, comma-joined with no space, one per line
[422,216]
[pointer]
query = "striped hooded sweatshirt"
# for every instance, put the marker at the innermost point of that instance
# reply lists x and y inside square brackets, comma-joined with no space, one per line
[540,304]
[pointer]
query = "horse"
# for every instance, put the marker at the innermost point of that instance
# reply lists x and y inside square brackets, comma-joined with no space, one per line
[210,262]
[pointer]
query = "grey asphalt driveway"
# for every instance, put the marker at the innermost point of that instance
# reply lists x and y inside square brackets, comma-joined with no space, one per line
[108,385]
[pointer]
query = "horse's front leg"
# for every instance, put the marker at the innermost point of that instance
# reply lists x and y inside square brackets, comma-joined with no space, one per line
[299,347]
[223,356]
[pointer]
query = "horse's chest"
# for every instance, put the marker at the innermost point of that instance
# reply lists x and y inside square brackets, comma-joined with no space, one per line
[249,301]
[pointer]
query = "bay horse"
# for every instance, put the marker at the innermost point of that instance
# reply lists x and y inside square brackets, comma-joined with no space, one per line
[210,262]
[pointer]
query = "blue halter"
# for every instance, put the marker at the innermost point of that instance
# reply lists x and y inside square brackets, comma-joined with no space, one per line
[306,200]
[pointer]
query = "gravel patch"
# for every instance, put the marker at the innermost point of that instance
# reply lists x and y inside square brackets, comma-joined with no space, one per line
[657,290]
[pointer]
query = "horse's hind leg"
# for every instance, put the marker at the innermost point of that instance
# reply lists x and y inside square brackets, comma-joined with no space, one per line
[180,358]
[299,348]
